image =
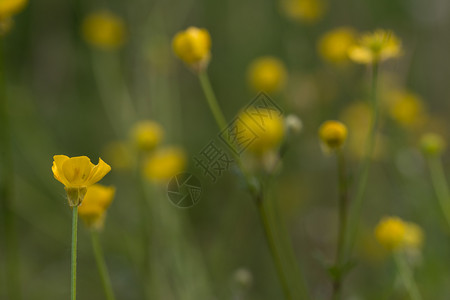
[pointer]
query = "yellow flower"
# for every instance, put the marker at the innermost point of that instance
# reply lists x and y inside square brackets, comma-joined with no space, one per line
[93,209]
[333,46]
[375,47]
[164,163]
[193,46]
[432,144]
[264,131]
[333,134]
[8,8]
[307,11]
[119,155]
[406,108]
[414,236]
[390,232]
[104,30]
[267,74]
[77,173]
[146,135]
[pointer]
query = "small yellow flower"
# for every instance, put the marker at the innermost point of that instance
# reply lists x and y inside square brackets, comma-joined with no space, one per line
[390,232]
[103,29]
[375,47]
[406,108]
[333,46]
[146,135]
[93,209]
[333,134]
[193,47]
[306,11]
[432,144]
[9,8]
[265,131]
[267,74]
[164,163]
[77,174]
[414,236]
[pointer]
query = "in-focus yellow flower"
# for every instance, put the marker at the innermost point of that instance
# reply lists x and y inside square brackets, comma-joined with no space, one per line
[390,232]
[77,173]
[9,8]
[306,11]
[333,134]
[406,108]
[267,74]
[164,163]
[93,209]
[375,47]
[193,47]
[264,130]
[104,29]
[146,135]
[333,46]
[432,144]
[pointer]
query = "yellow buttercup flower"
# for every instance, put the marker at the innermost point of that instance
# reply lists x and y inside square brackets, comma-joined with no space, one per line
[390,232]
[93,209]
[146,135]
[264,131]
[77,173]
[333,46]
[267,74]
[406,108]
[9,8]
[375,47]
[307,11]
[333,134]
[164,163]
[104,30]
[193,46]
[432,144]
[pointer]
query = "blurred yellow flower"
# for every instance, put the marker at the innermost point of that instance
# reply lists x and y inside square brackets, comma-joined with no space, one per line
[77,173]
[267,74]
[414,236]
[390,232]
[9,8]
[306,11]
[265,131]
[93,209]
[406,108]
[333,134]
[193,46]
[104,29]
[146,135]
[164,163]
[432,144]
[375,47]
[333,46]
[119,155]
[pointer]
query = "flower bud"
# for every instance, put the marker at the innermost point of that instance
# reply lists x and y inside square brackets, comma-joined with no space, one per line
[432,144]
[333,134]
[193,47]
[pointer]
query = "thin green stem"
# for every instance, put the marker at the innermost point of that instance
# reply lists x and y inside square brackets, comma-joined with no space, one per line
[212,101]
[343,207]
[440,185]
[73,287]
[101,265]
[355,211]
[407,276]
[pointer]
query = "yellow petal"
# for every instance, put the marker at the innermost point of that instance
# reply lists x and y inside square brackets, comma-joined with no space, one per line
[58,160]
[76,170]
[98,172]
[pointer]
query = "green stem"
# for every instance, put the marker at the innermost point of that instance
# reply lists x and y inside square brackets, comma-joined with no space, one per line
[73,287]
[356,209]
[212,101]
[440,185]
[101,265]
[407,276]
[343,206]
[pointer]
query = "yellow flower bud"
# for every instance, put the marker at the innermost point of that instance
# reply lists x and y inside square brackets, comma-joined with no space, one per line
[193,47]
[104,30]
[266,131]
[432,144]
[9,8]
[306,11]
[267,74]
[93,209]
[375,47]
[333,134]
[406,108]
[333,46]
[146,135]
[164,163]
[414,236]
[390,232]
